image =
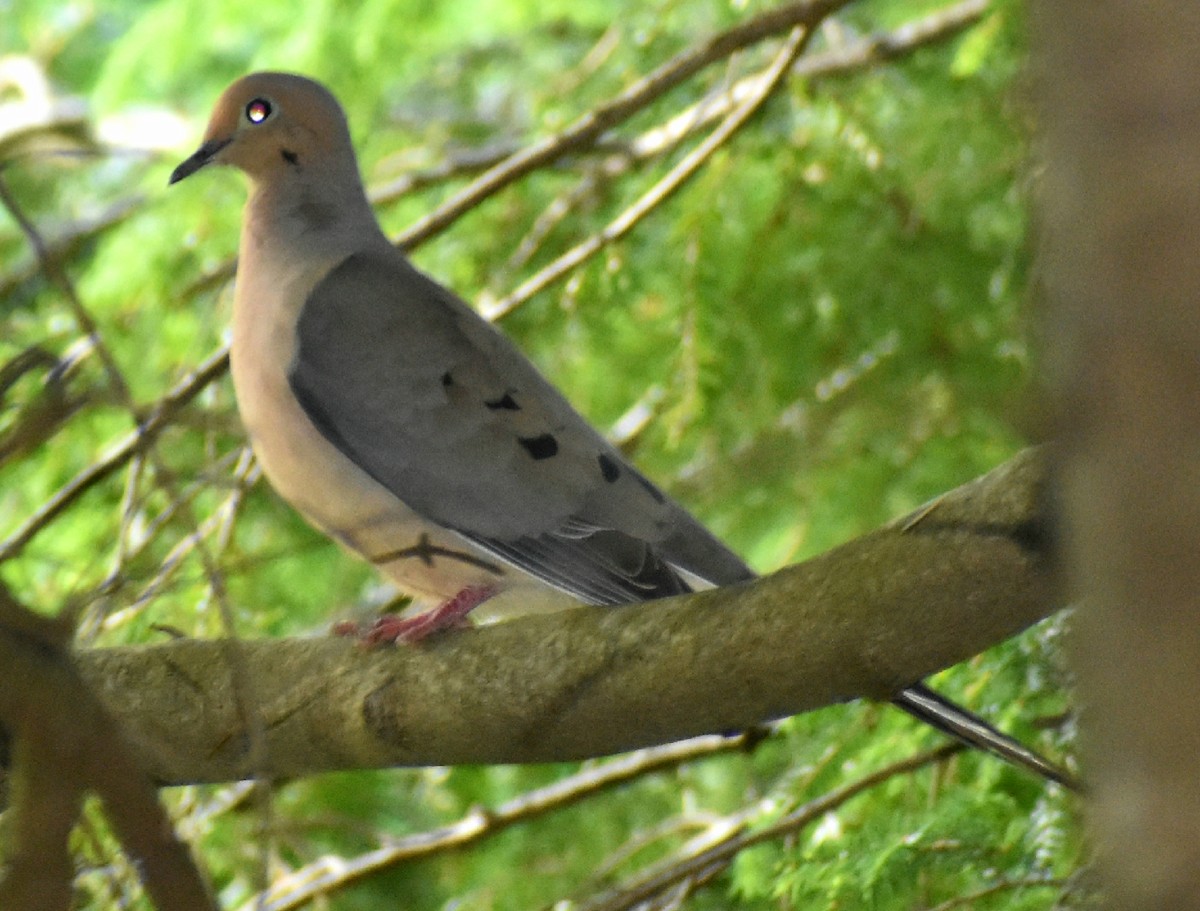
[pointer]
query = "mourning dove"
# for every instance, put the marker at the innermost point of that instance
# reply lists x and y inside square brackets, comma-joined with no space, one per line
[403,425]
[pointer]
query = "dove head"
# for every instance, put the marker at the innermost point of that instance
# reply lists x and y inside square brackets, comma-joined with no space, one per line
[272,125]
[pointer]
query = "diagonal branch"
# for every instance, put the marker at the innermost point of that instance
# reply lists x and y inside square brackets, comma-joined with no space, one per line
[664,188]
[934,27]
[865,619]
[805,14]
[702,866]
[588,130]
[155,421]
[330,874]
[64,745]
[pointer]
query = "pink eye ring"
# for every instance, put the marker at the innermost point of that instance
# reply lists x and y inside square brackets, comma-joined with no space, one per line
[258,110]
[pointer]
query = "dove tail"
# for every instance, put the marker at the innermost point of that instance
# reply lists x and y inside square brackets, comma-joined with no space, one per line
[955,721]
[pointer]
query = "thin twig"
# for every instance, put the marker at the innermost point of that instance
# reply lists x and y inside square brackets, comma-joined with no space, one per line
[585,131]
[157,419]
[116,577]
[722,827]
[332,873]
[245,702]
[658,881]
[856,55]
[216,525]
[465,163]
[664,188]
[591,127]
[971,899]
[587,187]
[64,246]
[82,316]
[40,418]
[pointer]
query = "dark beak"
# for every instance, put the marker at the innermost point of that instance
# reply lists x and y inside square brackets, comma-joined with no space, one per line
[202,156]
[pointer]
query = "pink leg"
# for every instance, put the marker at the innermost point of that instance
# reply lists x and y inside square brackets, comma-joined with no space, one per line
[450,614]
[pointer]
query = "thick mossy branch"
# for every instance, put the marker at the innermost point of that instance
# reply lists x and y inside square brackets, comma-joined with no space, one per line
[864,619]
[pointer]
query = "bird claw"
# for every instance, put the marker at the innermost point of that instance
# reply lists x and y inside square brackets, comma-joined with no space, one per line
[390,629]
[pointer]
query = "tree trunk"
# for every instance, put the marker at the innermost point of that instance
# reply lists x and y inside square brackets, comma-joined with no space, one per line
[1120,104]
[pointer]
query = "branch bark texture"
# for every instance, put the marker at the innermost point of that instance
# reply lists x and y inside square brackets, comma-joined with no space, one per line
[862,620]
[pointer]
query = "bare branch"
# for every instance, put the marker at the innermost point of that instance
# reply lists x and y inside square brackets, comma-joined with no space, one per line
[865,619]
[668,185]
[749,91]
[156,419]
[82,316]
[331,874]
[64,745]
[855,55]
[702,866]
[585,131]
[972,899]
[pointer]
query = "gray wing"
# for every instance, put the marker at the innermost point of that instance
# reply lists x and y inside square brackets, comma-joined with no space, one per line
[441,409]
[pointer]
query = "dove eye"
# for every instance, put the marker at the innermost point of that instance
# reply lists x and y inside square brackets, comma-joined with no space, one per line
[258,110]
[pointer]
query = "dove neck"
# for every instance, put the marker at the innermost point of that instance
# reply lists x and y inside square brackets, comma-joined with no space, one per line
[330,216]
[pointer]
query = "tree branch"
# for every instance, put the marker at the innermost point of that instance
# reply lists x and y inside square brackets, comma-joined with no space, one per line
[695,869]
[156,420]
[64,745]
[332,873]
[806,14]
[862,620]
[767,82]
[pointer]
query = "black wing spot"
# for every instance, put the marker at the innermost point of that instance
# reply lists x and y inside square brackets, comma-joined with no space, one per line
[652,490]
[610,469]
[447,379]
[540,447]
[289,156]
[505,403]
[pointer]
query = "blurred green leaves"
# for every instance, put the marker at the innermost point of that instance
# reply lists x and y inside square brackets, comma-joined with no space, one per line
[827,326]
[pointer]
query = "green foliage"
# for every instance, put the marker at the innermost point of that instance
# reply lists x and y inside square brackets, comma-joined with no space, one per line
[827,322]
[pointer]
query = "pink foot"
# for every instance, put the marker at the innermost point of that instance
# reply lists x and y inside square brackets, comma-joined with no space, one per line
[450,614]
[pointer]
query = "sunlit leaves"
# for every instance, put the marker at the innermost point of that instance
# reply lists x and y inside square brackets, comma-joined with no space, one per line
[826,326]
